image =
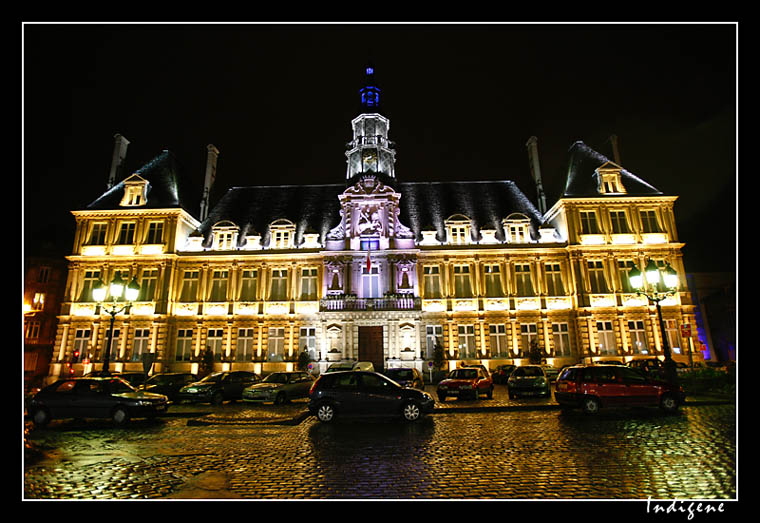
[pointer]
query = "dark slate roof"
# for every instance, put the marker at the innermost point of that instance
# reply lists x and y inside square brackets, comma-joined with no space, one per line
[164,191]
[424,205]
[582,181]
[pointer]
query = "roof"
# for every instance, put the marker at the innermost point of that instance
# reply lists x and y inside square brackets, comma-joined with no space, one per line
[582,180]
[424,205]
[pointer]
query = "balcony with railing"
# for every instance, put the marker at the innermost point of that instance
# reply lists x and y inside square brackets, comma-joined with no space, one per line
[389,302]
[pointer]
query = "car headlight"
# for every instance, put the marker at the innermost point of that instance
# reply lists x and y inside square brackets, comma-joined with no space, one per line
[540,382]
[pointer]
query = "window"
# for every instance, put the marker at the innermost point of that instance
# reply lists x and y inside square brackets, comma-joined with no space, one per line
[133,194]
[281,239]
[98,234]
[498,339]
[432,281]
[189,287]
[624,268]
[493,281]
[674,339]
[148,284]
[276,344]
[528,334]
[308,340]
[561,334]
[81,344]
[214,342]
[32,330]
[596,277]
[155,233]
[638,337]
[43,275]
[113,344]
[370,282]
[649,222]
[309,284]
[605,336]
[462,287]
[433,337]
[225,240]
[249,285]
[588,223]
[369,244]
[184,349]
[517,228]
[554,285]
[466,341]
[126,233]
[523,280]
[244,351]
[219,286]
[140,345]
[458,234]
[38,302]
[89,281]
[619,222]
[279,286]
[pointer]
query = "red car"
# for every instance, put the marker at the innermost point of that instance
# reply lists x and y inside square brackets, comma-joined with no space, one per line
[466,382]
[591,387]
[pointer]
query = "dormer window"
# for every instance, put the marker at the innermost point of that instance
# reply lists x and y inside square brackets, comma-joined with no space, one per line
[282,234]
[517,228]
[458,229]
[225,236]
[135,192]
[609,179]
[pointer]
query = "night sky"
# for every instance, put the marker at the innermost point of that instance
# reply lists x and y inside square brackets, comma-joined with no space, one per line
[277,101]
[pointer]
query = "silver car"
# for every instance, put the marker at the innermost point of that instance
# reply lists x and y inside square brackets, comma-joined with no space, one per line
[280,387]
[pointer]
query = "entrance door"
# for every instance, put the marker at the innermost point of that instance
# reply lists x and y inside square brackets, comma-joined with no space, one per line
[371,346]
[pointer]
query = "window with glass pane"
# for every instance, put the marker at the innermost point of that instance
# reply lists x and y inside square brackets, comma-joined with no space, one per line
[249,285]
[32,330]
[114,344]
[148,284]
[307,340]
[184,351]
[674,337]
[98,234]
[638,337]
[215,341]
[493,281]
[588,223]
[432,281]
[189,287]
[624,268]
[498,339]
[276,344]
[126,234]
[561,335]
[89,280]
[619,222]
[462,287]
[466,341]
[81,344]
[44,275]
[244,351]
[279,286]
[649,222]
[554,285]
[370,282]
[523,280]
[596,277]
[309,284]
[528,333]
[459,234]
[281,239]
[140,344]
[605,338]
[155,233]
[219,281]
[433,336]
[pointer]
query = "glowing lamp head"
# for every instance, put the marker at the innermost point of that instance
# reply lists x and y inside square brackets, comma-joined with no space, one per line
[636,278]
[117,287]
[652,272]
[99,291]
[670,277]
[133,290]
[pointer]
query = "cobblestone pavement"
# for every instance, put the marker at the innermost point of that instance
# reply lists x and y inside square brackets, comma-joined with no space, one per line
[507,450]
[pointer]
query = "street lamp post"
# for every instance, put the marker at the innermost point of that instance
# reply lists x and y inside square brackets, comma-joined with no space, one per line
[658,285]
[121,296]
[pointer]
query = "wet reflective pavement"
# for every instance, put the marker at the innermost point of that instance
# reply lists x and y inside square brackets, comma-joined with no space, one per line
[493,449]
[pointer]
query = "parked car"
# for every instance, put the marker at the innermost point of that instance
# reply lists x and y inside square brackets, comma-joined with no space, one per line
[406,377]
[591,387]
[528,380]
[551,373]
[351,365]
[359,393]
[94,397]
[280,387]
[501,374]
[133,378]
[218,387]
[651,366]
[168,383]
[465,382]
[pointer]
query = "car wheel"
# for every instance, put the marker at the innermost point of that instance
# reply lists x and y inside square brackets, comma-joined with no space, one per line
[489,394]
[669,403]
[591,405]
[326,412]
[218,399]
[120,415]
[41,418]
[411,411]
[280,398]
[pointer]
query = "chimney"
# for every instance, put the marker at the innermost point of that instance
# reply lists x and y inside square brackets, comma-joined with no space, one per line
[213,153]
[119,153]
[535,172]
[615,149]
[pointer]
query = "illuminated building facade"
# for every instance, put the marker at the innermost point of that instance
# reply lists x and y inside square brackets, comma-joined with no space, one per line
[372,268]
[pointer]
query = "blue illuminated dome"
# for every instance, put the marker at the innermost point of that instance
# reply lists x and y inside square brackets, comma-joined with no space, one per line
[370,93]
